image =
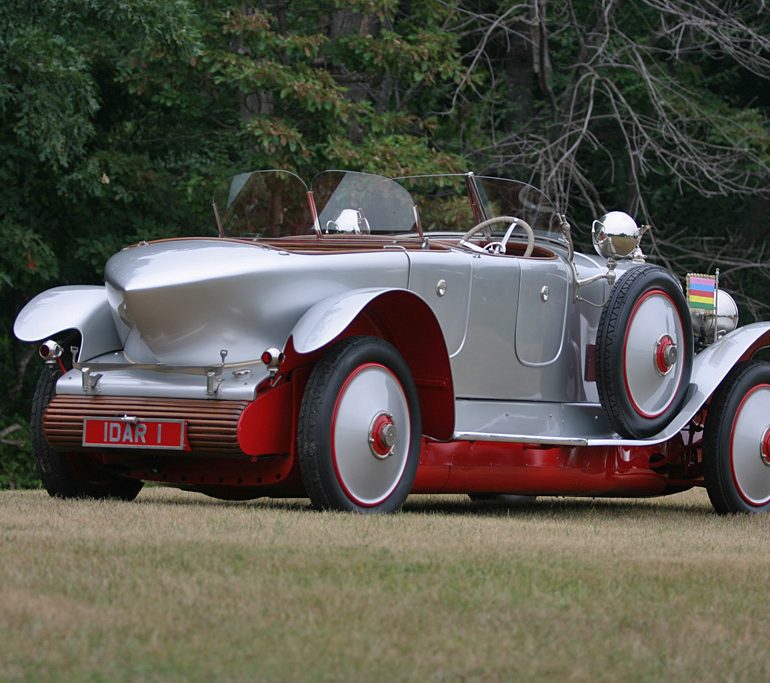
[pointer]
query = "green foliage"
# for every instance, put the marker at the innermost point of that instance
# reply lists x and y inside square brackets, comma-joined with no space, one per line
[16,464]
[117,118]
[17,469]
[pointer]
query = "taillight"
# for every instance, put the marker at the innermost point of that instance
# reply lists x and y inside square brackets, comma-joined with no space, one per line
[271,358]
[50,350]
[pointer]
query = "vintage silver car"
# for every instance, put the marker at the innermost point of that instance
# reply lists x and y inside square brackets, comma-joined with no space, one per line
[367,337]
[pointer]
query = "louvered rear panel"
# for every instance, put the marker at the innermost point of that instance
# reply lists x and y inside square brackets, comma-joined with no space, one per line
[211,425]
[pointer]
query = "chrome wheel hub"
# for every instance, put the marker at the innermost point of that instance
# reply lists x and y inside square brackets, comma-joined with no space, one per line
[665,354]
[764,448]
[382,436]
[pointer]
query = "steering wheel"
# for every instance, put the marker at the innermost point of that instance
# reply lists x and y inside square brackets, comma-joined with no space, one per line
[499,247]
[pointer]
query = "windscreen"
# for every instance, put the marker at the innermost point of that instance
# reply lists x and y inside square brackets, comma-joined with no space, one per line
[263,204]
[502,197]
[362,203]
[442,201]
[445,202]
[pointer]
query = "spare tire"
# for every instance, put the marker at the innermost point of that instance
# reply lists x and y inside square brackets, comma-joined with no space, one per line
[644,352]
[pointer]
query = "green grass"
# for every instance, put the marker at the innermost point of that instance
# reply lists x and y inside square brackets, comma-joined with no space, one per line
[176,586]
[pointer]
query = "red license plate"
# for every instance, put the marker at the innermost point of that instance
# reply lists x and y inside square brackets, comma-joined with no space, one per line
[115,432]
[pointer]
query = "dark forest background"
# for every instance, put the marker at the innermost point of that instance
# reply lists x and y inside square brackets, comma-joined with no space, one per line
[116,119]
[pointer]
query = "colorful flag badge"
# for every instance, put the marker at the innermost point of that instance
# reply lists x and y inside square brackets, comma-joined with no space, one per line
[701,291]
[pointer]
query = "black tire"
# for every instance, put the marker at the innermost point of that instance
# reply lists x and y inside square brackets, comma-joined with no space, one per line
[332,384]
[626,417]
[725,462]
[70,475]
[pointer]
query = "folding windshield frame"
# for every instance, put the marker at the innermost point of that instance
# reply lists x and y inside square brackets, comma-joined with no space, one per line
[315,227]
[376,178]
[474,192]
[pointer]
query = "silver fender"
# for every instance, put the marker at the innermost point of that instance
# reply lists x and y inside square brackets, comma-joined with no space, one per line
[413,329]
[328,318]
[78,307]
[709,368]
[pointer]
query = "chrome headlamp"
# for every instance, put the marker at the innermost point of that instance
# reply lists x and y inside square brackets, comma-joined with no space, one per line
[725,319]
[615,235]
[50,350]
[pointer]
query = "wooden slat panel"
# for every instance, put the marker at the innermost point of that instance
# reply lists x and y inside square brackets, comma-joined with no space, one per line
[211,425]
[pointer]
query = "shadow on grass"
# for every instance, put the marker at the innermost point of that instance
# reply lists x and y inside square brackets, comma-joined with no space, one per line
[550,507]
[460,506]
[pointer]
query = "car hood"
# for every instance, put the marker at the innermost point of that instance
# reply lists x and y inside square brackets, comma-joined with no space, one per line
[182,302]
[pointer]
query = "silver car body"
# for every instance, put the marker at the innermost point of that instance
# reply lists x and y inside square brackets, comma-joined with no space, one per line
[515,336]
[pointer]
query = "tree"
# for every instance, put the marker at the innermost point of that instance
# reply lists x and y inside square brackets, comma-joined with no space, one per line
[117,118]
[658,107]
[58,61]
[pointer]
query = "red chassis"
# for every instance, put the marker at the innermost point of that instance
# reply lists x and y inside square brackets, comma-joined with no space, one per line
[262,459]
[256,455]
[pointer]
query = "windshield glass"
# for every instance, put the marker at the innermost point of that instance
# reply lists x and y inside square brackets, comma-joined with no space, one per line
[502,197]
[446,202]
[442,201]
[362,203]
[275,203]
[263,204]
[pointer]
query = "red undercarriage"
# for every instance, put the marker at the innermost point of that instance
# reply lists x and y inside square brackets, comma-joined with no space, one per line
[447,467]
[452,467]
[260,459]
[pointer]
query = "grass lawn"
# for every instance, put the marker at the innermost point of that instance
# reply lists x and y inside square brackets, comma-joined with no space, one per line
[179,587]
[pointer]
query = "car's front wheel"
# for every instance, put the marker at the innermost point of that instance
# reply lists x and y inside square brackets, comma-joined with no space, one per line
[736,441]
[359,428]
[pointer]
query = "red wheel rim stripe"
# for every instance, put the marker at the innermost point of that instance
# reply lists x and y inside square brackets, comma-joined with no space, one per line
[342,391]
[634,405]
[732,436]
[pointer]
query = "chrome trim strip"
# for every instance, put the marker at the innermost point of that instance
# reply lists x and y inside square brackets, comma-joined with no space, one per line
[520,438]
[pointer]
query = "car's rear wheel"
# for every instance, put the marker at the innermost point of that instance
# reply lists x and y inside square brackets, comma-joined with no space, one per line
[736,441]
[70,475]
[644,352]
[359,428]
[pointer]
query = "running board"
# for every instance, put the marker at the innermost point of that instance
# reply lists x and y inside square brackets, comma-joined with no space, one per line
[557,424]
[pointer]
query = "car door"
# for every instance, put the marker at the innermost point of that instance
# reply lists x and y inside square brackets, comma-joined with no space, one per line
[443,280]
[514,347]
[542,310]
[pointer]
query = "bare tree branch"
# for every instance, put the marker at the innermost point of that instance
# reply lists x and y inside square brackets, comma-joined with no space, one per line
[620,92]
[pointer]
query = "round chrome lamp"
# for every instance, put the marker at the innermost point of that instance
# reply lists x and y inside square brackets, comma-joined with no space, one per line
[712,325]
[615,235]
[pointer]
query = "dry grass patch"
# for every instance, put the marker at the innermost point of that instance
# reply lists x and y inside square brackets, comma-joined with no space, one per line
[176,586]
